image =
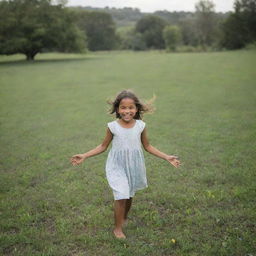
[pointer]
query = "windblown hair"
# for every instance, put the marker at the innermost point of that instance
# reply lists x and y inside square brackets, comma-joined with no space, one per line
[142,107]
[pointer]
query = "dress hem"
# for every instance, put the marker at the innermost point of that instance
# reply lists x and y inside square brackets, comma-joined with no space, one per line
[125,197]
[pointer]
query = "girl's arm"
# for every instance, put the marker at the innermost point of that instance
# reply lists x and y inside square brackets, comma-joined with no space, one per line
[149,148]
[79,158]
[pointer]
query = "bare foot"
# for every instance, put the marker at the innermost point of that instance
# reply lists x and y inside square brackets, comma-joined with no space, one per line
[119,233]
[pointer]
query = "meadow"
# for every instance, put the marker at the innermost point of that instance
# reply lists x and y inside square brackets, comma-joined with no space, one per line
[56,107]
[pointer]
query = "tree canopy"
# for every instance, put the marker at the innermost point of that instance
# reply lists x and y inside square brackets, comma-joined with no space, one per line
[172,37]
[205,22]
[99,29]
[33,26]
[240,27]
[151,27]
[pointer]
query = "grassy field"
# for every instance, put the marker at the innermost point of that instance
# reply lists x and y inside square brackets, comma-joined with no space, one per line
[56,107]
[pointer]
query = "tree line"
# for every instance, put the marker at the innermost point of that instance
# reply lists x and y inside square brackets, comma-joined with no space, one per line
[34,26]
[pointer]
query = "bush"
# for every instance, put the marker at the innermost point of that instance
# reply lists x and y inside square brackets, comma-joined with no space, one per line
[251,46]
[172,37]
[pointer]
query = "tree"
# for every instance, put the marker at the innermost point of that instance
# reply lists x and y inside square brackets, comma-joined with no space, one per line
[240,27]
[189,32]
[99,29]
[151,28]
[172,37]
[205,22]
[138,43]
[130,39]
[33,26]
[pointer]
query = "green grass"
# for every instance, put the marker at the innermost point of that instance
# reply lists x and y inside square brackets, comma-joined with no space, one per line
[56,107]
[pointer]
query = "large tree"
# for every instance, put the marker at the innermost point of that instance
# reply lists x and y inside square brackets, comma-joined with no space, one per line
[151,27]
[33,26]
[205,22]
[99,28]
[240,27]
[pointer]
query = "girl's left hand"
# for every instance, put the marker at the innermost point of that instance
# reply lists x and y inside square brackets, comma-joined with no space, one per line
[173,160]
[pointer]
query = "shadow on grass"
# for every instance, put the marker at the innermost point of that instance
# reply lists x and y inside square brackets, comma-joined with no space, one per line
[34,62]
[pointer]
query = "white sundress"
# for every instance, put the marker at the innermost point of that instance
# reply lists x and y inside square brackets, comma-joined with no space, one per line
[125,166]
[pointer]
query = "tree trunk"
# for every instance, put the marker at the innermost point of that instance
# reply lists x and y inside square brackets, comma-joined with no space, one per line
[30,56]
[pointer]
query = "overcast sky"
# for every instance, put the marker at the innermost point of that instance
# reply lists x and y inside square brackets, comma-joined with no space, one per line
[153,5]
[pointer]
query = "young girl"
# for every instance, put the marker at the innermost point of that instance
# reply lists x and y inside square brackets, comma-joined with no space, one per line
[125,168]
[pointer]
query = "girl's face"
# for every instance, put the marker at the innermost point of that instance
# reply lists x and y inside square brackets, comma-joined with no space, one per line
[127,109]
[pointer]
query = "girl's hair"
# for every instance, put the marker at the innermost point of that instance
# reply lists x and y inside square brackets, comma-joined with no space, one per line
[142,107]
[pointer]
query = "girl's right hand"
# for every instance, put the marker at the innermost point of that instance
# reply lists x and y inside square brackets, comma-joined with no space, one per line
[77,159]
[173,160]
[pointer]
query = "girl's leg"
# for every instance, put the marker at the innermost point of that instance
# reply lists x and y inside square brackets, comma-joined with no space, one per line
[127,207]
[119,212]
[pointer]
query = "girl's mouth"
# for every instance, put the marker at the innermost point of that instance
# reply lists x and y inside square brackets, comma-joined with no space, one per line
[127,116]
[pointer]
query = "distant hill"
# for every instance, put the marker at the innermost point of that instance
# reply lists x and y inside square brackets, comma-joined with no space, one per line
[127,16]
[122,17]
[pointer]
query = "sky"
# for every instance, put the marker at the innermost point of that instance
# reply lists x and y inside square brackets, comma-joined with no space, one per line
[154,5]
